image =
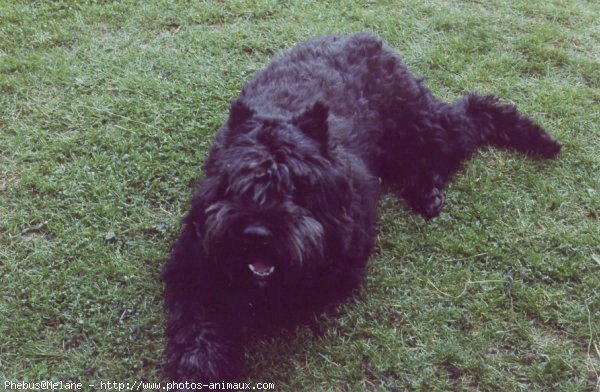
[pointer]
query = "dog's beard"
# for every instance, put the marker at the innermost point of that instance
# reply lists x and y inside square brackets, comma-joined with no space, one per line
[304,239]
[297,243]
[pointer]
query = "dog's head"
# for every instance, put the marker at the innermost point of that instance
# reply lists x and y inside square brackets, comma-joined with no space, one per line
[274,198]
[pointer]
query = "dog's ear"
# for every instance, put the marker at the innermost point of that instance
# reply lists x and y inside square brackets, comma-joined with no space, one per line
[313,122]
[239,113]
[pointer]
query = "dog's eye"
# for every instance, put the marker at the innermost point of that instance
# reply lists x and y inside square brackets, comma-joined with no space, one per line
[280,157]
[300,188]
[261,174]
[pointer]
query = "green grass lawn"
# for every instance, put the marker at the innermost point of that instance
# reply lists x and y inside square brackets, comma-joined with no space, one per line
[106,114]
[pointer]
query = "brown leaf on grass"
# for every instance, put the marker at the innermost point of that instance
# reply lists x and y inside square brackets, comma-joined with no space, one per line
[33,233]
[174,27]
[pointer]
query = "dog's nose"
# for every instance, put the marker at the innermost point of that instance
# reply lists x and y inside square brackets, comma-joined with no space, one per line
[256,233]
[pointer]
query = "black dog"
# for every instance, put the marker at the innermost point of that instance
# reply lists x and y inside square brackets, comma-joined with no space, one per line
[284,220]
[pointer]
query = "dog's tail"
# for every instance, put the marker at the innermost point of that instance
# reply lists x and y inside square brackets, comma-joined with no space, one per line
[489,122]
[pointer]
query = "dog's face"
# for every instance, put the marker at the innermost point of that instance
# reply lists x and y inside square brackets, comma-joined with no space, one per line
[264,210]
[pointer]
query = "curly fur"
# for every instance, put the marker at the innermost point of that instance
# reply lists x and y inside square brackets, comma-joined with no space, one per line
[291,186]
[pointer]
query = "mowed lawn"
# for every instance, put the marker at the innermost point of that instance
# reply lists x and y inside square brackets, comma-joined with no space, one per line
[107,110]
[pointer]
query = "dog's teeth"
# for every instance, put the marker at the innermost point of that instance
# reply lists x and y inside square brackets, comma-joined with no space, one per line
[261,273]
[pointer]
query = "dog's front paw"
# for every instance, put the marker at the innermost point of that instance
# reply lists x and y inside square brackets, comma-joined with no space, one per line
[201,351]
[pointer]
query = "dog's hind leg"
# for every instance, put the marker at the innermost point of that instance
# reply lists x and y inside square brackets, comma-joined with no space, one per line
[432,139]
[500,125]
[425,141]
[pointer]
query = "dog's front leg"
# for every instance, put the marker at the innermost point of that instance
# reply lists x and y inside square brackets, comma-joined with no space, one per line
[202,347]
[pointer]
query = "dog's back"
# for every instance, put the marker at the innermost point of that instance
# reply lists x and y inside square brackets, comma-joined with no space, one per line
[382,114]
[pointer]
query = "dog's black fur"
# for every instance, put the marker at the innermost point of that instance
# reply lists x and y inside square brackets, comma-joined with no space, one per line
[284,220]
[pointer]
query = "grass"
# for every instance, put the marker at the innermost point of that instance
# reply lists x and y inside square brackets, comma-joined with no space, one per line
[107,110]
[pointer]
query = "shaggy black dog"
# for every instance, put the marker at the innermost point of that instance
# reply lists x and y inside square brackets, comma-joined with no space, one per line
[284,220]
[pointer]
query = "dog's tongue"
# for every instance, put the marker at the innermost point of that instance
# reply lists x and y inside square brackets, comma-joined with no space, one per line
[261,268]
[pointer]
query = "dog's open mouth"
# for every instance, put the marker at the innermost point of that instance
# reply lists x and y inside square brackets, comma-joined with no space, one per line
[261,269]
